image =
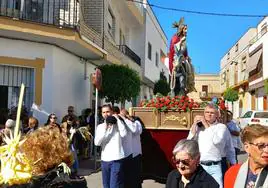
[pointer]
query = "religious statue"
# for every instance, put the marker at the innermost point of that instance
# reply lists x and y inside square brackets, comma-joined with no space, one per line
[180,66]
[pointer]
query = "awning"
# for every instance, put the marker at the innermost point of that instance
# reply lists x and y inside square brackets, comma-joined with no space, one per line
[256,85]
[253,60]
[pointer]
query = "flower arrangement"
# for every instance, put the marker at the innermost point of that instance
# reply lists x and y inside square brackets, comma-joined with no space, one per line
[165,103]
[178,103]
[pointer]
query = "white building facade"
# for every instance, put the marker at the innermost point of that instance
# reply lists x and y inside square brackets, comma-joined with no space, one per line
[243,69]
[156,46]
[55,56]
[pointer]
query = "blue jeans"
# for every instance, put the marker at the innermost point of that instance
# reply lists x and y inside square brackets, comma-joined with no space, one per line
[76,163]
[216,172]
[112,174]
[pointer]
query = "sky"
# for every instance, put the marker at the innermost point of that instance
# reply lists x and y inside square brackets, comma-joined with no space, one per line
[209,38]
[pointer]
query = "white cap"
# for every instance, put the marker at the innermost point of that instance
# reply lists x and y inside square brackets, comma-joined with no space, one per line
[10,123]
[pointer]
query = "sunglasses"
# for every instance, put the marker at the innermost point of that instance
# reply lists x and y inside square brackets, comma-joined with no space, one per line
[260,146]
[53,118]
[185,162]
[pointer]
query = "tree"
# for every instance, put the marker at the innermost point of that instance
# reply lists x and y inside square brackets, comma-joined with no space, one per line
[266,86]
[162,87]
[119,83]
[230,95]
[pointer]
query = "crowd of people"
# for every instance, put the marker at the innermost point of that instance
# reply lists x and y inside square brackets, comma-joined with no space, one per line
[208,157]
[78,131]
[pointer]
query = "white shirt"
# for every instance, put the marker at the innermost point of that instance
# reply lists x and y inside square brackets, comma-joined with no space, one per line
[136,139]
[127,140]
[211,141]
[110,140]
[232,126]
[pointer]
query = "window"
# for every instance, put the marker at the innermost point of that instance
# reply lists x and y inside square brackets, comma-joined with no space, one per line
[261,115]
[162,56]
[111,23]
[156,59]
[263,29]
[247,114]
[205,89]
[236,47]
[149,51]
[243,63]
[228,56]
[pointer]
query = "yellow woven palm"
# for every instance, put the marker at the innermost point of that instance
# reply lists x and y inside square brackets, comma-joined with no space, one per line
[15,168]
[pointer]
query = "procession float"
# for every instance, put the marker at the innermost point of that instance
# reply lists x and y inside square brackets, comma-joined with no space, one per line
[167,119]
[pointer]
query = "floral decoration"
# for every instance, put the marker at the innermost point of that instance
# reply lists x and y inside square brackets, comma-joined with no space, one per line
[165,103]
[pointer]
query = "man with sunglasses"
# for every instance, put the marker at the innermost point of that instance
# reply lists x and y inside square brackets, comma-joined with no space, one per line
[70,114]
[254,172]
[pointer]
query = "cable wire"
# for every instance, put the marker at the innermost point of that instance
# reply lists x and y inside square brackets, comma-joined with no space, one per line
[199,12]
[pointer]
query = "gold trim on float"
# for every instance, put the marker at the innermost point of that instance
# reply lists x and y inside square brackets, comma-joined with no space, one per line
[181,120]
[38,64]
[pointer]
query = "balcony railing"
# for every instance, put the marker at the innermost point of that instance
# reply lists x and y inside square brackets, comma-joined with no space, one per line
[128,52]
[64,13]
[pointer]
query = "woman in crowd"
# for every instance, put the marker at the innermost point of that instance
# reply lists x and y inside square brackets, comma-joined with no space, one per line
[52,121]
[189,173]
[32,125]
[252,173]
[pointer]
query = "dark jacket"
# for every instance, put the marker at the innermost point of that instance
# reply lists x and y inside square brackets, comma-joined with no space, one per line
[201,179]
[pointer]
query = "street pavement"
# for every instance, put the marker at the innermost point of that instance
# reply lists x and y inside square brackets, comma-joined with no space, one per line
[94,180]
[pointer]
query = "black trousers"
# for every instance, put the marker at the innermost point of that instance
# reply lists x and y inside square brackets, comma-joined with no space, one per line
[137,171]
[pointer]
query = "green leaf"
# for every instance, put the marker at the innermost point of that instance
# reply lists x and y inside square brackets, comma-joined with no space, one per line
[230,95]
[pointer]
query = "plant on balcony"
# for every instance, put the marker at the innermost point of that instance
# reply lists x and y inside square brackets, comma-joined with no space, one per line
[165,103]
[266,86]
[119,83]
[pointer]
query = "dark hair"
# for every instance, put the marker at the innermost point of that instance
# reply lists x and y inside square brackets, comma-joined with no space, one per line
[116,109]
[48,118]
[87,111]
[106,106]
[70,118]
[111,120]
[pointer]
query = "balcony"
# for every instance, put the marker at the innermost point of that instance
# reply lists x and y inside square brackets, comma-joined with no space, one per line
[128,52]
[254,75]
[208,96]
[53,12]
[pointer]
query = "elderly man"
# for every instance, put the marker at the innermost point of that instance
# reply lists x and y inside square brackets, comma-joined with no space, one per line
[211,137]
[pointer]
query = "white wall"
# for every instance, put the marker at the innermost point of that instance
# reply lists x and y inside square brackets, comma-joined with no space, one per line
[63,75]
[158,40]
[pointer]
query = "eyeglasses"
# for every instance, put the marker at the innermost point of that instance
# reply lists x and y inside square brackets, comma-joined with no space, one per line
[261,146]
[70,111]
[53,117]
[185,162]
